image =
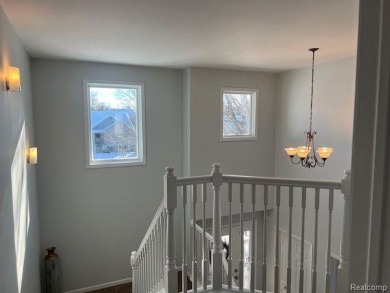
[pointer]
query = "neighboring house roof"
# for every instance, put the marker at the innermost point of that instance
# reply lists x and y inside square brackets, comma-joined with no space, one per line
[102,120]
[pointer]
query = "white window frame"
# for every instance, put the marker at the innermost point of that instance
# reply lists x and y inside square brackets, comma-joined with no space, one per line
[253,135]
[141,131]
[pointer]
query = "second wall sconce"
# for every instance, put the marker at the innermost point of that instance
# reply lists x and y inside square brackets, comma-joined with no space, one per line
[32,156]
[12,81]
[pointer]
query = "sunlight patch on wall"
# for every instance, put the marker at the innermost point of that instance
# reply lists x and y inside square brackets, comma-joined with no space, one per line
[20,204]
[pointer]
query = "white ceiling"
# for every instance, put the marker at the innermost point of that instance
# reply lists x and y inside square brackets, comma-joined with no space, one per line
[247,34]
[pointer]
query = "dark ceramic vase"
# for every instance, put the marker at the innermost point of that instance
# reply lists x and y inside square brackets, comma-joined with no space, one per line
[52,271]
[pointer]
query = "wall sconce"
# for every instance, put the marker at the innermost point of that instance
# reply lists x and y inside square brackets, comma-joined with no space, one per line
[32,156]
[12,82]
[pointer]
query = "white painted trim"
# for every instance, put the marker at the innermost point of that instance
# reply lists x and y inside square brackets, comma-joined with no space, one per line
[335,256]
[295,236]
[255,113]
[101,286]
[370,148]
[141,131]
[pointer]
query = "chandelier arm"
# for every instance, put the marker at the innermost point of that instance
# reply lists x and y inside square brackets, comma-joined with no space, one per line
[295,163]
[305,162]
[320,164]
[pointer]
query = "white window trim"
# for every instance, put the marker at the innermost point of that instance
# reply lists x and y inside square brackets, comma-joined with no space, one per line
[255,105]
[141,131]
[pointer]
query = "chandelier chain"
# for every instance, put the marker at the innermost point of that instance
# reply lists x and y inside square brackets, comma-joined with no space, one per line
[312,92]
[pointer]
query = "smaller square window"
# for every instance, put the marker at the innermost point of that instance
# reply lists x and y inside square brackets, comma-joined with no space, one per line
[238,114]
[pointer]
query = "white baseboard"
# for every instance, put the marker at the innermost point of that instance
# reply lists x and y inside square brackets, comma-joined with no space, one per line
[101,286]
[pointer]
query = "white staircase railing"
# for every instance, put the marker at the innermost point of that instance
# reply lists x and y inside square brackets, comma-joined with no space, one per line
[148,262]
[159,242]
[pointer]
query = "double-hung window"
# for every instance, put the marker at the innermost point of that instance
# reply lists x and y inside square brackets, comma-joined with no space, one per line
[114,124]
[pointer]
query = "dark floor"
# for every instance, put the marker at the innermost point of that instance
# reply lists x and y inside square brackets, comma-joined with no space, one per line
[125,288]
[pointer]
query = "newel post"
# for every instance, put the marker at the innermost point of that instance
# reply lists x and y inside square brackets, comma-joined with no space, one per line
[217,247]
[170,203]
[342,271]
[133,266]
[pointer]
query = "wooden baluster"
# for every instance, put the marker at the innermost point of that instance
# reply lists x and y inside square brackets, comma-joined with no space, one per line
[217,247]
[147,266]
[184,245]
[170,201]
[157,251]
[253,248]
[139,278]
[291,201]
[135,279]
[199,245]
[154,277]
[163,239]
[155,258]
[205,252]
[139,275]
[342,270]
[302,271]
[146,270]
[327,271]
[194,243]
[314,265]
[152,257]
[277,260]
[161,256]
[150,264]
[241,262]
[142,270]
[230,276]
[265,239]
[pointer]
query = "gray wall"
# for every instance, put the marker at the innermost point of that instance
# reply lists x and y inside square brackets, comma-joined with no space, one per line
[96,217]
[19,224]
[254,157]
[333,121]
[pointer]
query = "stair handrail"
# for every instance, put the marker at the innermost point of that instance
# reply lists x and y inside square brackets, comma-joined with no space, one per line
[323,184]
[207,234]
[160,210]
